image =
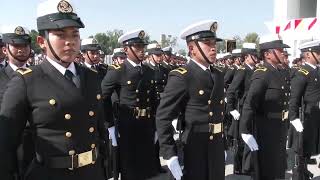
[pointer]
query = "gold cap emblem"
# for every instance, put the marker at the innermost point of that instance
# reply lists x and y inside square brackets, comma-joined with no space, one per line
[141,34]
[64,7]
[214,27]
[19,31]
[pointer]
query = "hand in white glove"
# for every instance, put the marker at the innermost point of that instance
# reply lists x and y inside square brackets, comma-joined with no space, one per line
[250,141]
[297,124]
[155,137]
[225,100]
[174,167]
[112,136]
[174,124]
[235,114]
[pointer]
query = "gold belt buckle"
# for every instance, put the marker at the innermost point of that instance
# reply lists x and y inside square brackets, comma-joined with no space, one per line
[217,128]
[85,158]
[142,112]
[285,115]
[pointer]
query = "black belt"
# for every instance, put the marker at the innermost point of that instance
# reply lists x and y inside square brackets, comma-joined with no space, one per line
[278,115]
[137,111]
[211,128]
[71,162]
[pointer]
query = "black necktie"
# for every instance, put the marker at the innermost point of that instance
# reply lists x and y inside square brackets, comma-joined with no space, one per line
[209,71]
[139,69]
[69,75]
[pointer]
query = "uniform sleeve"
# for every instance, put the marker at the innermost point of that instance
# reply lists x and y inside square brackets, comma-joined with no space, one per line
[254,98]
[298,84]
[13,115]
[228,76]
[168,109]
[234,86]
[108,86]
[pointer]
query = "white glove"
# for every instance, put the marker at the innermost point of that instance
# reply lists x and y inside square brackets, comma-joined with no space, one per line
[225,100]
[174,167]
[250,141]
[297,124]
[112,136]
[155,137]
[225,155]
[235,114]
[174,124]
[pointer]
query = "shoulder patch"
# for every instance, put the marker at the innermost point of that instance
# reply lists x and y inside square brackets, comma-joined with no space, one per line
[304,71]
[116,66]
[24,71]
[180,70]
[261,69]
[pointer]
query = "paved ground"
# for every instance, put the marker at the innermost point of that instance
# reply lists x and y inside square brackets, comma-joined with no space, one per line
[229,169]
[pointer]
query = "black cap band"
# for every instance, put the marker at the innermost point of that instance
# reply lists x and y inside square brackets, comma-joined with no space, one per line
[278,44]
[202,35]
[133,41]
[90,47]
[12,38]
[59,21]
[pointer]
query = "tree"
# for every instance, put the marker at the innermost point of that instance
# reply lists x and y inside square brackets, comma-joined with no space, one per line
[251,38]
[34,45]
[109,40]
[168,40]
[182,52]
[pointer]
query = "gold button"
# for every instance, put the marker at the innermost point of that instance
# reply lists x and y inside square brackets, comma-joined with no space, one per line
[282,87]
[68,134]
[148,91]
[316,79]
[149,116]
[138,99]
[137,91]
[285,103]
[91,113]
[285,94]
[93,146]
[211,137]
[91,129]
[52,102]
[221,113]
[67,116]
[209,101]
[162,80]
[98,96]
[128,82]
[211,113]
[155,81]
[201,92]
[71,152]
[148,100]
[137,117]
[151,81]
[221,102]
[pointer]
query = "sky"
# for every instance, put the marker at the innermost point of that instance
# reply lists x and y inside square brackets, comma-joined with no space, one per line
[235,17]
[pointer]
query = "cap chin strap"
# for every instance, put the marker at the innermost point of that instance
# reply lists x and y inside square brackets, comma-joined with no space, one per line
[51,48]
[165,56]
[253,59]
[15,57]
[275,55]
[135,55]
[201,52]
[315,58]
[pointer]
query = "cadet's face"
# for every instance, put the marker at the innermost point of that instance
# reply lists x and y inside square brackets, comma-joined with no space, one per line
[20,51]
[2,54]
[137,49]
[208,47]
[92,57]
[157,58]
[65,42]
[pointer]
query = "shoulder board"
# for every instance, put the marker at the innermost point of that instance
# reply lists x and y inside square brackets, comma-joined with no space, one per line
[115,66]
[241,68]
[93,70]
[24,71]
[180,70]
[230,67]
[304,71]
[218,68]
[261,69]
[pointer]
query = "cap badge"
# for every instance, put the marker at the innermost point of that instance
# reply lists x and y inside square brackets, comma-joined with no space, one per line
[64,7]
[19,31]
[94,41]
[142,34]
[214,27]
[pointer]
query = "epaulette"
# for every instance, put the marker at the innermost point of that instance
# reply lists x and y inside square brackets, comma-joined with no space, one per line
[231,67]
[218,68]
[304,71]
[241,68]
[24,71]
[115,66]
[261,68]
[295,66]
[180,70]
[93,70]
